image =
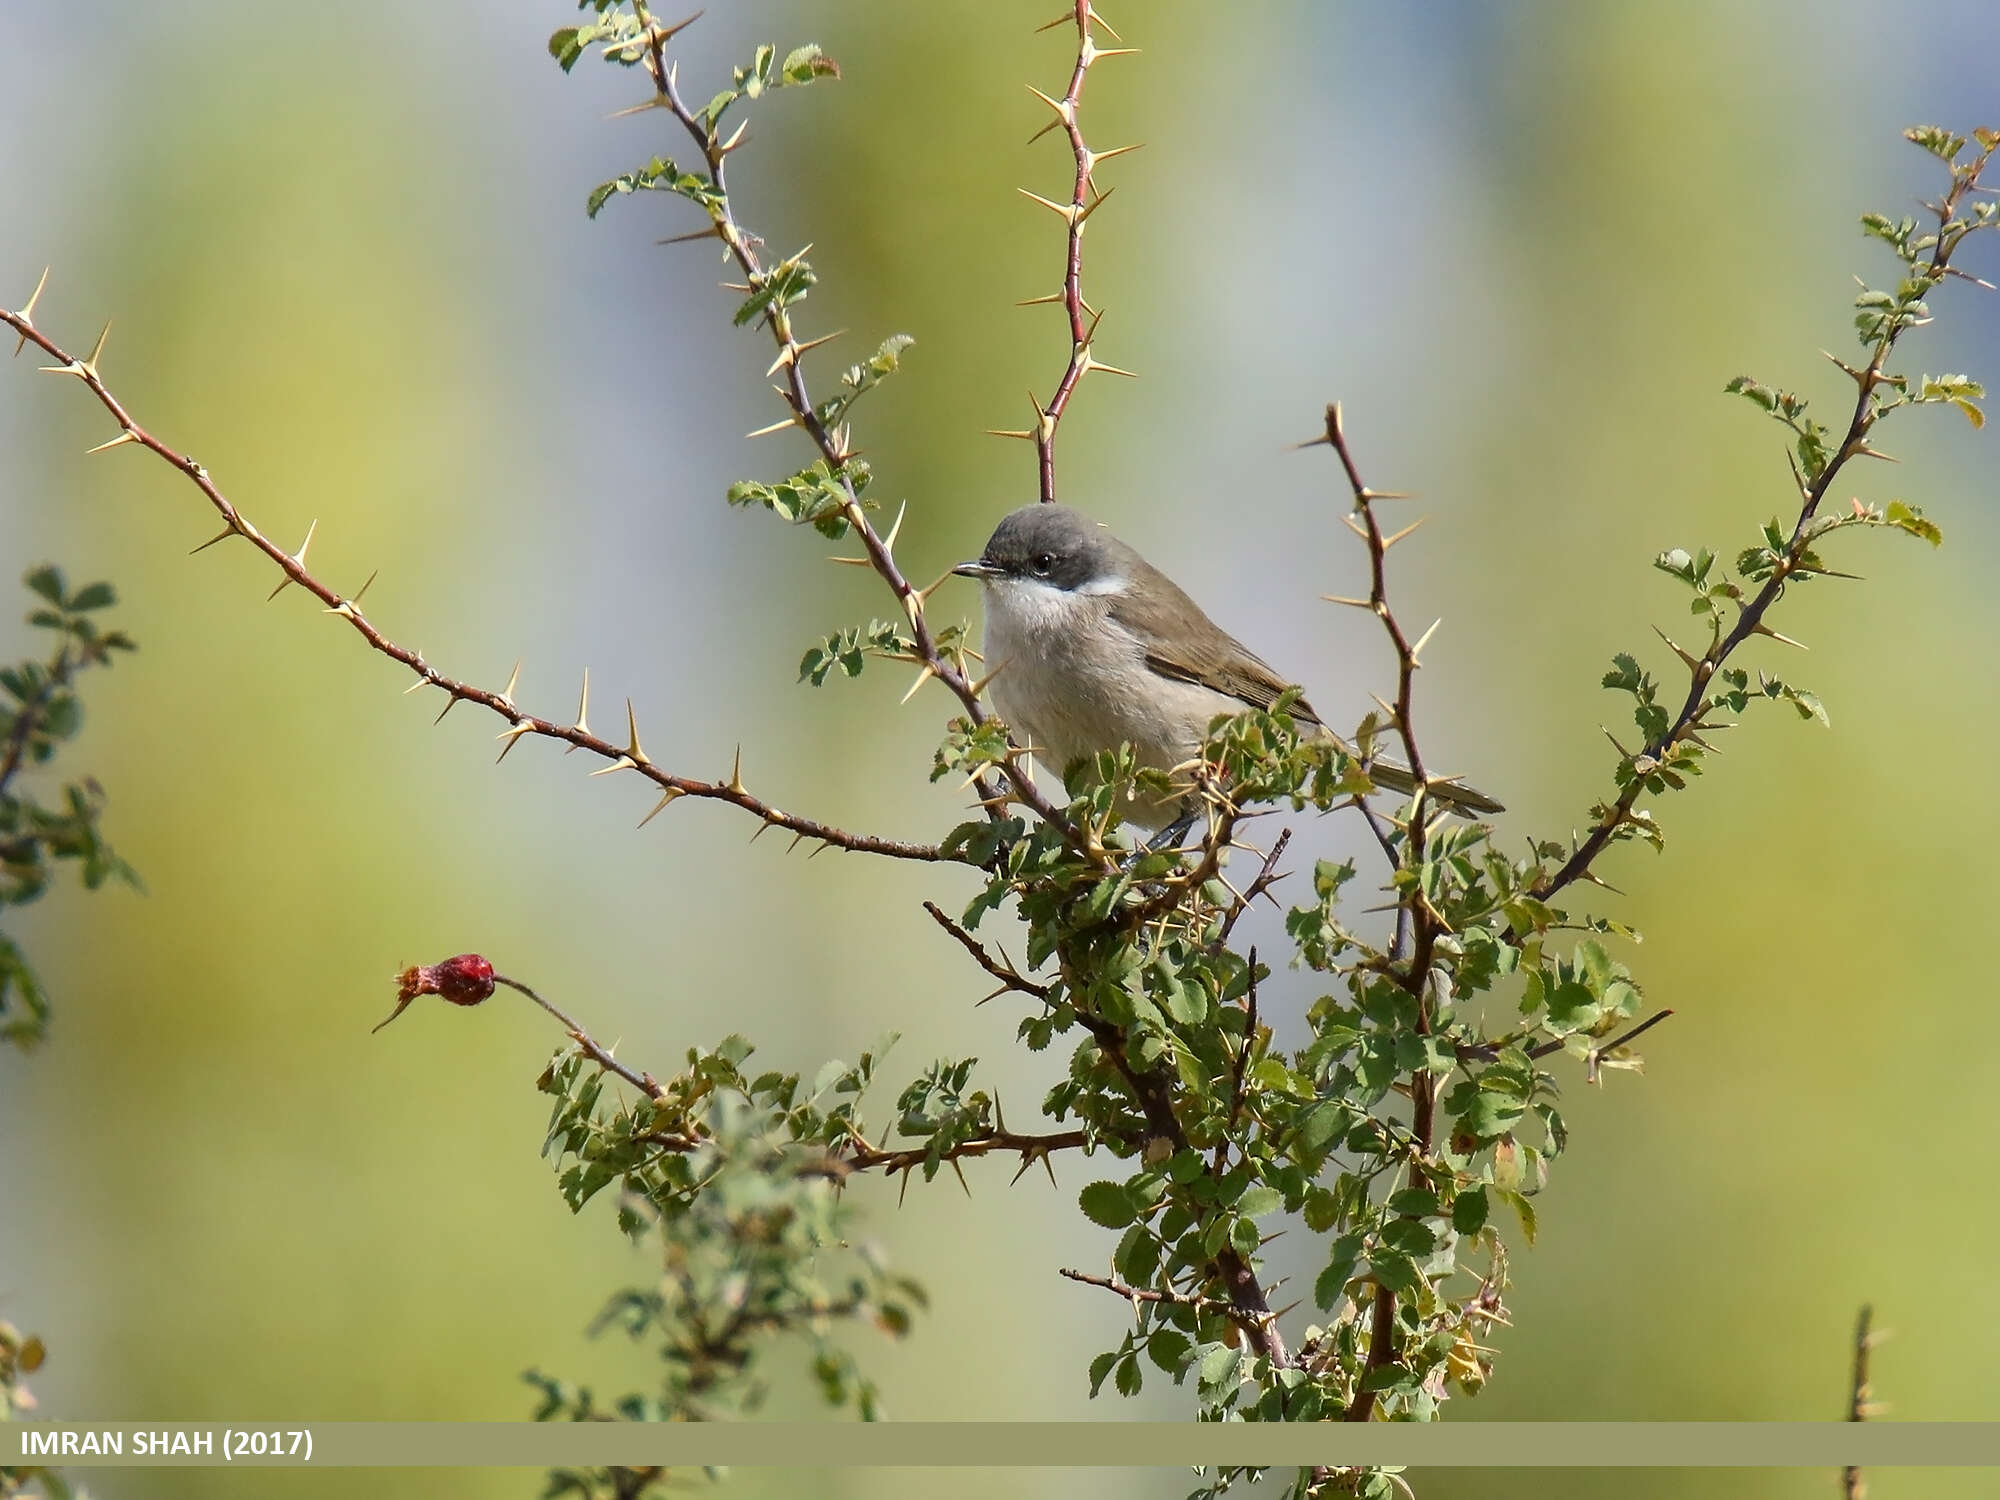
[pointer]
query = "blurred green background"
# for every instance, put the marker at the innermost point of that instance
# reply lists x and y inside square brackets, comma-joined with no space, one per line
[346,255]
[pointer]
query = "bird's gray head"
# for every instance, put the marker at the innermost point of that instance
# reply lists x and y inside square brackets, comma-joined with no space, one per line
[1052,545]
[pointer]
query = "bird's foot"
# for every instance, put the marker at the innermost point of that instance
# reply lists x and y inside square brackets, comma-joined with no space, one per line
[1171,836]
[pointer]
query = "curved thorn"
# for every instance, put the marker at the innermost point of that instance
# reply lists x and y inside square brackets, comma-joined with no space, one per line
[27,312]
[91,363]
[671,794]
[1068,212]
[127,436]
[1390,541]
[1064,108]
[512,734]
[222,536]
[582,725]
[632,736]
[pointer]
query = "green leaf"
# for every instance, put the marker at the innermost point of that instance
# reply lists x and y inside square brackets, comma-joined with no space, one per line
[1099,1368]
[1322,1210]
[93,596]
[850,648]
[1414,1203]
[1137,1256]
[1243,1236]
[1331,1283]
[805,64]
[1935,139]
[1130,1376]
[1319,1128]
[1491,1114]
[1168,1348]
[658,175]
[1108,1204]
[1763,395]
[62,716]
[1410,1237]
[47,581]
[1624,674]
[785,283]
[1524,1209]
[565,48]
[1394,1270]
[1218,1368]
[1258,1201]
[1186,1000]
[816,496]
[1906,517]
[1468,1211]
[863,378]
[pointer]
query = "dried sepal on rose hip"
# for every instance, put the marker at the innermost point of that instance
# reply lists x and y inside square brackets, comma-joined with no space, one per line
[464,980]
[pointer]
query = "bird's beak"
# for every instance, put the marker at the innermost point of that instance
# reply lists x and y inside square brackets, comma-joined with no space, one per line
[978,568]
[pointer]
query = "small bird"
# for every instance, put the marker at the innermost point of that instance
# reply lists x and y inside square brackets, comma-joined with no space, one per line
[1091,646]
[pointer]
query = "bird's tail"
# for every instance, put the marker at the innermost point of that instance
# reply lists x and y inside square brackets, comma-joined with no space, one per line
[1461,799]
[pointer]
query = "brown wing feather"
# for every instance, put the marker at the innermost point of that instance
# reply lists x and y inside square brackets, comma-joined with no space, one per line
[1202,652]
[1185,644]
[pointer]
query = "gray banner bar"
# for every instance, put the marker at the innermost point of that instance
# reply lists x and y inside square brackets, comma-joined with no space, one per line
[1003,1444]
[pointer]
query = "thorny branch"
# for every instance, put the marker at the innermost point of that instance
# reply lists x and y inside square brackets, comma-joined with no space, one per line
[1417,925]
[1084,200]
[1692,720]
[862,1157]
[858,1155]
[1268,875]
[645,1083]
[1137,1294]
[629,756]
[1010,977]
[1860,1399]
[833,442]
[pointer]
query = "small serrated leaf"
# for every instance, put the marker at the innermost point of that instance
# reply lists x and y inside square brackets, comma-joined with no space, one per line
[1108,1204]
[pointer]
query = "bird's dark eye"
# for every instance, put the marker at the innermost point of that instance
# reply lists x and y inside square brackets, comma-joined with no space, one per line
[1043,562]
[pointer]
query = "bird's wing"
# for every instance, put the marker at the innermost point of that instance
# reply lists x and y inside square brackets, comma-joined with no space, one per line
[1209,656]
[1184,644]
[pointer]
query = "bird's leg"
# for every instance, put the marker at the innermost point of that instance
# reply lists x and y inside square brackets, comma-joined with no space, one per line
[1171,836]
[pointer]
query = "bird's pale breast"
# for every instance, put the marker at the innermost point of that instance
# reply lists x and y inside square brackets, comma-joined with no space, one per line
[1072,681]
